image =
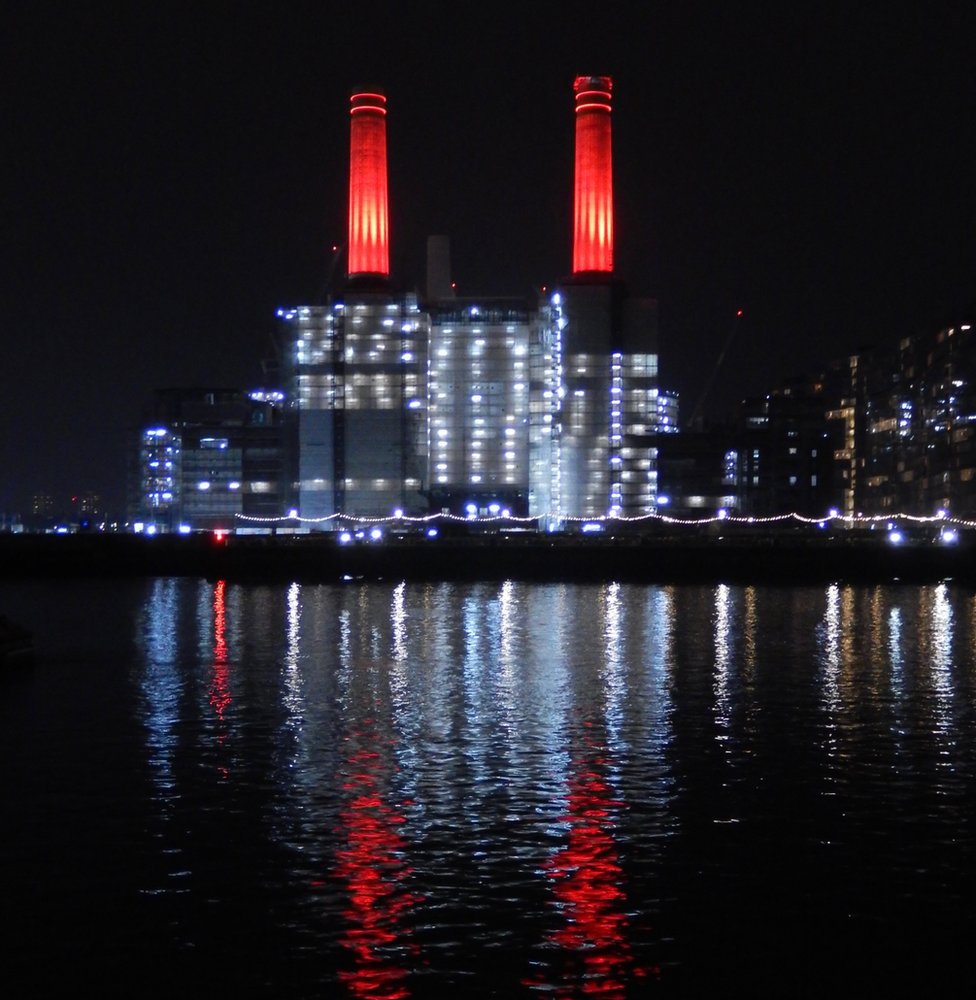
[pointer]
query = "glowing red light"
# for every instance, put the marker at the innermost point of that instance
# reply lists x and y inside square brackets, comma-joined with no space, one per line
[372,865]
[368,206]
[738,312]
[593,192]
[586,879]
[220,535]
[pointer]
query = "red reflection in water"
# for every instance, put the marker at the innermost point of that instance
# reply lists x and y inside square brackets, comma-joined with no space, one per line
[585,877]
[373,868]
[220,697]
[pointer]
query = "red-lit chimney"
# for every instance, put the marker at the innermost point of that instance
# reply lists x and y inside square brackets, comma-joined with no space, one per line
[593,201]
[369,235]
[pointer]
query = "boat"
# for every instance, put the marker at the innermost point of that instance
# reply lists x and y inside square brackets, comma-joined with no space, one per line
[16,642]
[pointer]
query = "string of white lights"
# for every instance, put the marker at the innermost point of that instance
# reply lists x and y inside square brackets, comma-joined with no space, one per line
[852,520]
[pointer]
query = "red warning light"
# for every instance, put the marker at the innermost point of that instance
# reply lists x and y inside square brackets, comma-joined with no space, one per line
[738,313]
[220,535]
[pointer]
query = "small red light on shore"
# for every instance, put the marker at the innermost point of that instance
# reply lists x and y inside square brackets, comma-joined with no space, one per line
[738,312]
[220,535]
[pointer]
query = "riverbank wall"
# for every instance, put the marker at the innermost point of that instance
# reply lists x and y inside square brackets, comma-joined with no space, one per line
[529,557]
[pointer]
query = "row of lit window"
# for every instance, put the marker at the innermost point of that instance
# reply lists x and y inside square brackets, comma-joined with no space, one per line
[315,485]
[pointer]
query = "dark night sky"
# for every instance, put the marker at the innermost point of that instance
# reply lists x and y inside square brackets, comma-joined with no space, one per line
[173,173]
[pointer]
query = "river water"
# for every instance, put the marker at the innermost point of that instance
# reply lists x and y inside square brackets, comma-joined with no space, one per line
[390,790]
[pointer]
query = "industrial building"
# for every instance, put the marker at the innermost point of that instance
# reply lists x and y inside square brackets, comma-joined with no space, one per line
[410,403]
[205,457]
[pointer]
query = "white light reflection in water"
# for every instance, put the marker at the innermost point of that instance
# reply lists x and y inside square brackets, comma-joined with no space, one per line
[896,679]
[345,639]
[403,705]
[162,687]
[940,640]
[896,656]
[546,698]
[613,681]
[722,630]
[508,636]
[484,754]
[293,699]
[830,675]
[398,623]
[661,666]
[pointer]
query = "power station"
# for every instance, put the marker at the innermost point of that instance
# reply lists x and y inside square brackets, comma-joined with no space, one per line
[401,401]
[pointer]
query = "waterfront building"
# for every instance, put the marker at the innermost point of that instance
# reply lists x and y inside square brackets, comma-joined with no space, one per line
[783,461]
[697,472]
[918,444]
[204,457]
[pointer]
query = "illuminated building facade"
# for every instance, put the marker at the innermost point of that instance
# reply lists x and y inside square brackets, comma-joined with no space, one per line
[784,456]
[492,395]
[479,387]
[358,404]
[914,428]
[207,456]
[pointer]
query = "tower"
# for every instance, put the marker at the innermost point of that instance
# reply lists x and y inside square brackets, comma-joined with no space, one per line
[369,239]
[603,464]
[593,188]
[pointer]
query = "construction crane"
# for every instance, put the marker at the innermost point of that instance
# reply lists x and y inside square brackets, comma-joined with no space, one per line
[694,421]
